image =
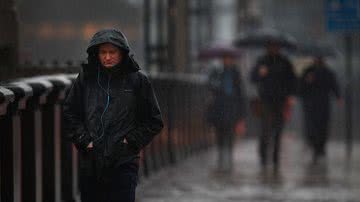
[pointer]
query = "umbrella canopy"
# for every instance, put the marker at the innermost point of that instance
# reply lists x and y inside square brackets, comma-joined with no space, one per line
[219,50]
[259,38]
[315,50]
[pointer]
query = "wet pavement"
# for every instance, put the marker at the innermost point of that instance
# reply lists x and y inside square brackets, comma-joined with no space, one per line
[196,179]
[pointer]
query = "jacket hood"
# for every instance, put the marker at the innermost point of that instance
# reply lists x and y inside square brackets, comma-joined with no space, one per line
[118,39]
[112,36]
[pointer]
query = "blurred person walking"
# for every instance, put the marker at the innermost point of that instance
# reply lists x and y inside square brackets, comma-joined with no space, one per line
[317,84]
[110,114]
[226,112]
[274,77]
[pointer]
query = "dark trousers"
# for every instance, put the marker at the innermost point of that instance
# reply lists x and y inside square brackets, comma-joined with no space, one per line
[270,137]
[114,185]
[225,145]
[316,129]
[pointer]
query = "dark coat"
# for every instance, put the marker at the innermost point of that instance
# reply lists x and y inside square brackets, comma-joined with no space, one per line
[106,106]
[315,87]
[226,109]
[280,81]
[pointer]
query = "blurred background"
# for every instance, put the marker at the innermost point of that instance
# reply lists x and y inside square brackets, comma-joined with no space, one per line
[46,31]
[167,37]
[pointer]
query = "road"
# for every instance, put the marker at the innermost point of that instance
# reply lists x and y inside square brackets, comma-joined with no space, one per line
[196,179]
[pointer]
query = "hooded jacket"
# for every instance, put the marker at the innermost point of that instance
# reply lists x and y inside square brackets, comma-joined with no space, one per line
[104,106]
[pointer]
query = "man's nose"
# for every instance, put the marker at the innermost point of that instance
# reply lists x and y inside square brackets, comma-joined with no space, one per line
[107,56]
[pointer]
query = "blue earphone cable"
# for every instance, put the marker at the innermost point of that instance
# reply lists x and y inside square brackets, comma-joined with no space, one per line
[107,91]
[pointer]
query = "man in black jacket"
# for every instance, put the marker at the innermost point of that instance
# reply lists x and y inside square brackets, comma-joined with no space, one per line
[317,84]
[275,80]
[110,114]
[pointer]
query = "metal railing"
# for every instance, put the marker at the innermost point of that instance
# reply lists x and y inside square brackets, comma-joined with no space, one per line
[37,165]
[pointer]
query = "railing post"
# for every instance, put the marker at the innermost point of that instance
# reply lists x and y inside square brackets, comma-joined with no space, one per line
[32,152]
[52,139]
[8,183]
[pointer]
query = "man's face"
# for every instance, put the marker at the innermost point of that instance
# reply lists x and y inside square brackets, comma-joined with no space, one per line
[228,60]
[109,55]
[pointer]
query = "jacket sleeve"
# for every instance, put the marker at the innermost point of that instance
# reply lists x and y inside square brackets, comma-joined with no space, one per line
[290,80]
[241,95]
[334,85]
[149,121]
[254,74]
[73,116]
[302,85]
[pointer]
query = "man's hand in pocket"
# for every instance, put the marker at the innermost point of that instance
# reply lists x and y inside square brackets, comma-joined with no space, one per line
[90,145]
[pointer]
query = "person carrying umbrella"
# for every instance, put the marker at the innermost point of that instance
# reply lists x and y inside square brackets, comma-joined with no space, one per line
[226,112]
[275,80]
[317,84]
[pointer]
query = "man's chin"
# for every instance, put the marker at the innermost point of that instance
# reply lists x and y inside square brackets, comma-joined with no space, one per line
[108,66]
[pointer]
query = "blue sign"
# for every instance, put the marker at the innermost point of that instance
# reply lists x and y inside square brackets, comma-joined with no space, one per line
[342,15]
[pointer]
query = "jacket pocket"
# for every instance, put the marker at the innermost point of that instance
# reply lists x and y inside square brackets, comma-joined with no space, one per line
[121,153]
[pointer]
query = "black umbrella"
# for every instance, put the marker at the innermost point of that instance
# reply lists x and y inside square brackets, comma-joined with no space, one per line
[315,50]
[219,50]
[259,38]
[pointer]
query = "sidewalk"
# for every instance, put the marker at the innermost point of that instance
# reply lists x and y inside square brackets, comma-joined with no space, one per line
[195,180]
